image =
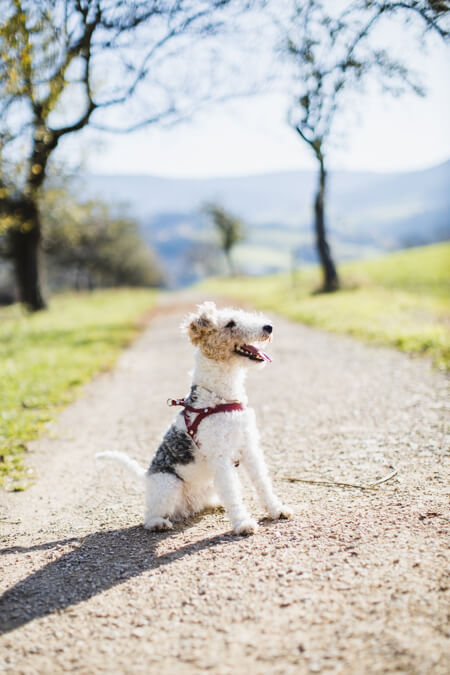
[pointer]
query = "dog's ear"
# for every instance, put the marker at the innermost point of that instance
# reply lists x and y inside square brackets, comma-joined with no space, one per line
[200,324]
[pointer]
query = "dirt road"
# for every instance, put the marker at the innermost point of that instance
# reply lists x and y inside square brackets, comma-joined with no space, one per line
[354,583]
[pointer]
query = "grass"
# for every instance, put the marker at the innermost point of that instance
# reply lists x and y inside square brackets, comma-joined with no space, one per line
[401,300]
[45,358]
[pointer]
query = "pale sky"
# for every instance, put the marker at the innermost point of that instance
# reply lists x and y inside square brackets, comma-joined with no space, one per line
[251,136]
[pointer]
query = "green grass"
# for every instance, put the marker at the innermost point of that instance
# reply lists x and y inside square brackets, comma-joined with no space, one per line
[45,357]
[401,300]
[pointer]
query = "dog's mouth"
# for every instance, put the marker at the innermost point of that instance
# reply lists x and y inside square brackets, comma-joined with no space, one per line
[251,352]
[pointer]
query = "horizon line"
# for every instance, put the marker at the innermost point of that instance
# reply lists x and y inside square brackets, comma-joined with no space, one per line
[262,173]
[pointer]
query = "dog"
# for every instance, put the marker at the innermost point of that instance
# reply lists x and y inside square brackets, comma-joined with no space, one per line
[195,466]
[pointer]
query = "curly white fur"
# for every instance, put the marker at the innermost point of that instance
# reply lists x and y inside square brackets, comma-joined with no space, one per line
[184,477]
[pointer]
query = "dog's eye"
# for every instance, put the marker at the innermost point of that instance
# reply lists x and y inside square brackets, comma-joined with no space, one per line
[231,324]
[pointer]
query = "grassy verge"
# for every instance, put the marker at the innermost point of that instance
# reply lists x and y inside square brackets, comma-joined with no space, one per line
[401,300]
[45,357]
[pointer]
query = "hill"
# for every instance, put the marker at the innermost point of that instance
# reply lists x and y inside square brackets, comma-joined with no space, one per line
[401,299]
[367,213]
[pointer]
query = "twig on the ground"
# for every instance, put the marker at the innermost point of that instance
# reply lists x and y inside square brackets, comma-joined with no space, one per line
[384,479]
[332,483]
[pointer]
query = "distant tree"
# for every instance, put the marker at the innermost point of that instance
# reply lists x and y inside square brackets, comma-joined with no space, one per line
[86,246]
[66,64]
[332,56]
[230,230]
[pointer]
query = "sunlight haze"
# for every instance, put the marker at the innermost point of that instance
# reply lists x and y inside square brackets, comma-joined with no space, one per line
[251,136]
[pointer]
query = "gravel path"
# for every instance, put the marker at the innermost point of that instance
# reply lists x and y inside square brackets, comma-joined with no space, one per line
[354,583]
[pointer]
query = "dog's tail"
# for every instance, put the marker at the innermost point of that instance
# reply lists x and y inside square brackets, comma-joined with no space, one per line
[133,467]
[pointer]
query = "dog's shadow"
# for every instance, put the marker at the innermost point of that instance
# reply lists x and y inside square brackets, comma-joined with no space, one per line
[97,562]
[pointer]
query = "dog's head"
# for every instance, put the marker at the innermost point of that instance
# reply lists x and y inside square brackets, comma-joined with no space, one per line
[229,334]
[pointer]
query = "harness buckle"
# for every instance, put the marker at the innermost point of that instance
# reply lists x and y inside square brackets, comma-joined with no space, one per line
[174,401]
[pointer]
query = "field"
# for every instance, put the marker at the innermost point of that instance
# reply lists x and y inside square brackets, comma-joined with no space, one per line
[401,300]
[45,357]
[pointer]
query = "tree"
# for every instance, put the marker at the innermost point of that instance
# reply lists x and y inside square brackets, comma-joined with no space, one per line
[229,228]
[333,55]
[66,64]
[86,246]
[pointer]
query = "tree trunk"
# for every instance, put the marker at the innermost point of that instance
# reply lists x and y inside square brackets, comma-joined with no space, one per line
[231,268]
[330,277]
[25,244]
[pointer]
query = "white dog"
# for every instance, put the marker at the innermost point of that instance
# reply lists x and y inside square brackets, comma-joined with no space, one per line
[215,431]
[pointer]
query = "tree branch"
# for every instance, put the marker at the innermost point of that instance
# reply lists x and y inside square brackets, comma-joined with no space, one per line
[84,47]
[82,122]
[138,125]
[428,17]
[141,72]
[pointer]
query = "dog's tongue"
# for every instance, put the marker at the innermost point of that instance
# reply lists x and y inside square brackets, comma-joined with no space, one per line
[258,352]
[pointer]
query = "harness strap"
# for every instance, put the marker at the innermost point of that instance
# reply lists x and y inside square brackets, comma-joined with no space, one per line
[201,413]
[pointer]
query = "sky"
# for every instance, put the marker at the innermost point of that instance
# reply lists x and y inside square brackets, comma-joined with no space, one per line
[251,136]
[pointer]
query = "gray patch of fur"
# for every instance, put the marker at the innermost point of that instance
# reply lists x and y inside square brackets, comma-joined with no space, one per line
[193,396]
[176,448]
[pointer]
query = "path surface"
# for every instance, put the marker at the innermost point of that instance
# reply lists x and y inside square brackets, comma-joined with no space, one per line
[355,583]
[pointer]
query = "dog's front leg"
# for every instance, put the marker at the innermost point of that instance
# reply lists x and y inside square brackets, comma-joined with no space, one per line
[227,484]
[255,466]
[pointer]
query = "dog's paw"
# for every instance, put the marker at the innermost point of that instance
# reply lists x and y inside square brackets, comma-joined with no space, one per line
[246,526]
[280,511]
[158,524]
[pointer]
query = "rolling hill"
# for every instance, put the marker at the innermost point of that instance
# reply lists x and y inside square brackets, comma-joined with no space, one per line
[367,213]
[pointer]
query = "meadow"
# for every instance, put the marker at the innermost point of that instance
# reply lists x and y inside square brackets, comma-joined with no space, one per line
[400,300]
[45,357]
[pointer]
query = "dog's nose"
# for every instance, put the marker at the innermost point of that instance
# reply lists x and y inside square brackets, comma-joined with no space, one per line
[268,329]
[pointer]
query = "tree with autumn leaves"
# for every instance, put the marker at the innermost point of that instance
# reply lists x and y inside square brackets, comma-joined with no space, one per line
[67,64]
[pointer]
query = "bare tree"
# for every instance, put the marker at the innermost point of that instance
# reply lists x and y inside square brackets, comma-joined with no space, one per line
[67,64]
[333,56]
[230,230]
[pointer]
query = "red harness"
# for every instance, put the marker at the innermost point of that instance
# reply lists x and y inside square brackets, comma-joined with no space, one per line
[201,413]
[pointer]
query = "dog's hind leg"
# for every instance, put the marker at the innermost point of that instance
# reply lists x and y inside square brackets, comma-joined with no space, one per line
[163,499]
[201,498]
